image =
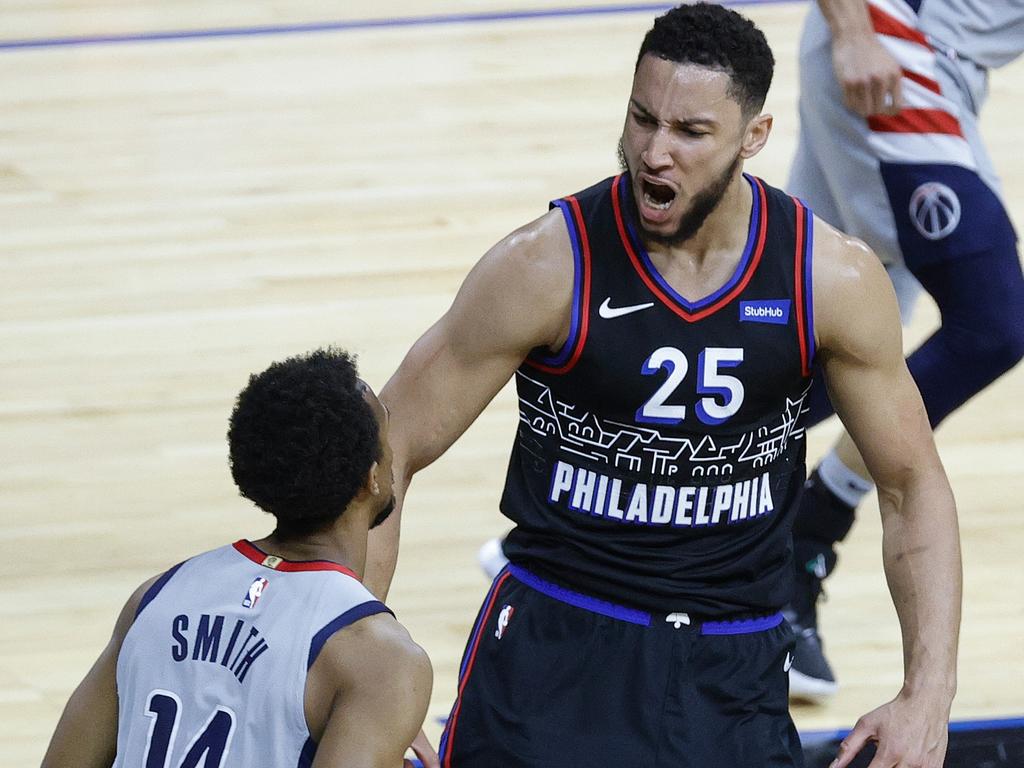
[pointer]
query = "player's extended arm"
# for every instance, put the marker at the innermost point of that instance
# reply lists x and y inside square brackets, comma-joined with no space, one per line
[858,327]
[367,694]
[86,735]
[866,71]
[516,298]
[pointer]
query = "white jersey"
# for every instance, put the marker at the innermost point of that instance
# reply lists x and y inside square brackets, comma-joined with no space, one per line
[212,673]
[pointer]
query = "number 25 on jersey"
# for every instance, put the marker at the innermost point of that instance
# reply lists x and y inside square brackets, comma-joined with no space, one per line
[725,392]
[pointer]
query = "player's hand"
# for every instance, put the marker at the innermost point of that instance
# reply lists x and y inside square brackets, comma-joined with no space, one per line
[869,75]
[424,751]
[909,731]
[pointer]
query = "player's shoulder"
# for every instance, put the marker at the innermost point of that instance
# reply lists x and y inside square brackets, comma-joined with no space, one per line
[842,262]
[385,632]
[131,609]
[519,294]
[835,246]
[537,247]
[376,645]
[853,296]
[373,663]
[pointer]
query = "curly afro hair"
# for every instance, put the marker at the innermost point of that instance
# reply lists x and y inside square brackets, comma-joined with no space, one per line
[711,36]
[302,439]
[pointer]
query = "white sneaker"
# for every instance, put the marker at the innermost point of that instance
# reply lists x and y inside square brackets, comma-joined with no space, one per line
[491,558]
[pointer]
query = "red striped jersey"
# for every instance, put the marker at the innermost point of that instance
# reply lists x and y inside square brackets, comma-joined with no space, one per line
[659,451]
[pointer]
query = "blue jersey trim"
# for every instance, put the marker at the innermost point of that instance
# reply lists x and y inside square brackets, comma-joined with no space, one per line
[742,626]
[351,616]
[157,585]
[738,273]
[809,284]
[592,604]
[565,352]
[307,754]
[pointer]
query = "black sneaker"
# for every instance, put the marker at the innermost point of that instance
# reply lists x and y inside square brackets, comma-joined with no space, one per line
[810,675]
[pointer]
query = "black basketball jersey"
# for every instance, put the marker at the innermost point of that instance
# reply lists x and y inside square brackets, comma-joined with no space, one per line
[659,452]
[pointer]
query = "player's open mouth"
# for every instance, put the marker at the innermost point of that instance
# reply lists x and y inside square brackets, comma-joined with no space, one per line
[656,195]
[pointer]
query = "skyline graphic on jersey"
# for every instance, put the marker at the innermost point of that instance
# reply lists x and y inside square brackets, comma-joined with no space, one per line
[644,449]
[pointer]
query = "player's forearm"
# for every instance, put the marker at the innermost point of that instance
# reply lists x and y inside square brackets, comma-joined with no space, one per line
[847,18]
[420,433]
[921,552]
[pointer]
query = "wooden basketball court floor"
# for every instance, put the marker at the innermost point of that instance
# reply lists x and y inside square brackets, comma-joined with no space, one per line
[175,213]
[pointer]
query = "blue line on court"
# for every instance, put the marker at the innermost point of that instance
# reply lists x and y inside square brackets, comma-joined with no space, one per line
[956,726]
[346,25]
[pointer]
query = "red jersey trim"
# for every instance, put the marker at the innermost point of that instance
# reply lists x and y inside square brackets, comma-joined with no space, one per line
[258,556]
[667,300]
[485,617]
[798,274]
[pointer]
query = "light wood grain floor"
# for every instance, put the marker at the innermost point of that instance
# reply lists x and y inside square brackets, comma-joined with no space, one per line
[174,215]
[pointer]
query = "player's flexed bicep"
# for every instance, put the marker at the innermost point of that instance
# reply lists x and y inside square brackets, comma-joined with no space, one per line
[860,347]
[517,297]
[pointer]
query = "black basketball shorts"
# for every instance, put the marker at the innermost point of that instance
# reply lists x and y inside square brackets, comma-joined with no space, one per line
[554,679]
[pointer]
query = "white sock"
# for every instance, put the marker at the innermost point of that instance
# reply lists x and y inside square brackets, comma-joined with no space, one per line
[846,484]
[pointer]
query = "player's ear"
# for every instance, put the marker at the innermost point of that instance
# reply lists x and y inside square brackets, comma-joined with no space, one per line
[756,135]
[371,485]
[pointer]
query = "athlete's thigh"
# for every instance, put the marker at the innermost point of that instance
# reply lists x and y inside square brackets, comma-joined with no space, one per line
[943,189]
[734,704]
[551,685]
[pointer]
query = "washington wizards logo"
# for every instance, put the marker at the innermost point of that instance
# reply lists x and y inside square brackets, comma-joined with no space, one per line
[934,210]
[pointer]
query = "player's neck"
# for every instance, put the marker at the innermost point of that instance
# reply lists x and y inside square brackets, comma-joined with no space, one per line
[701,265]
[336,544]
[724,232]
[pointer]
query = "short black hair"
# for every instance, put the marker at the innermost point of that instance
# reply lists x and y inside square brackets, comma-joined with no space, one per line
[708,35]
[302,439]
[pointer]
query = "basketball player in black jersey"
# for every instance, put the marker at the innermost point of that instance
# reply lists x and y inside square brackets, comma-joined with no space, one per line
[663,327]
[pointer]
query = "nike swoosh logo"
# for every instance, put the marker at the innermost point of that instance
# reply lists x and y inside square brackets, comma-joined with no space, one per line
[607,311]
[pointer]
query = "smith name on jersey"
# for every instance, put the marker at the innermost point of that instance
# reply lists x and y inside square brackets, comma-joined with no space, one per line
[212,671]
[660,450]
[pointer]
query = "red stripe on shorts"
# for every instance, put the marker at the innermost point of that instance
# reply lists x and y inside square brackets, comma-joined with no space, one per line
[884,24]
[927,82]
[916,121]
[484,617]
